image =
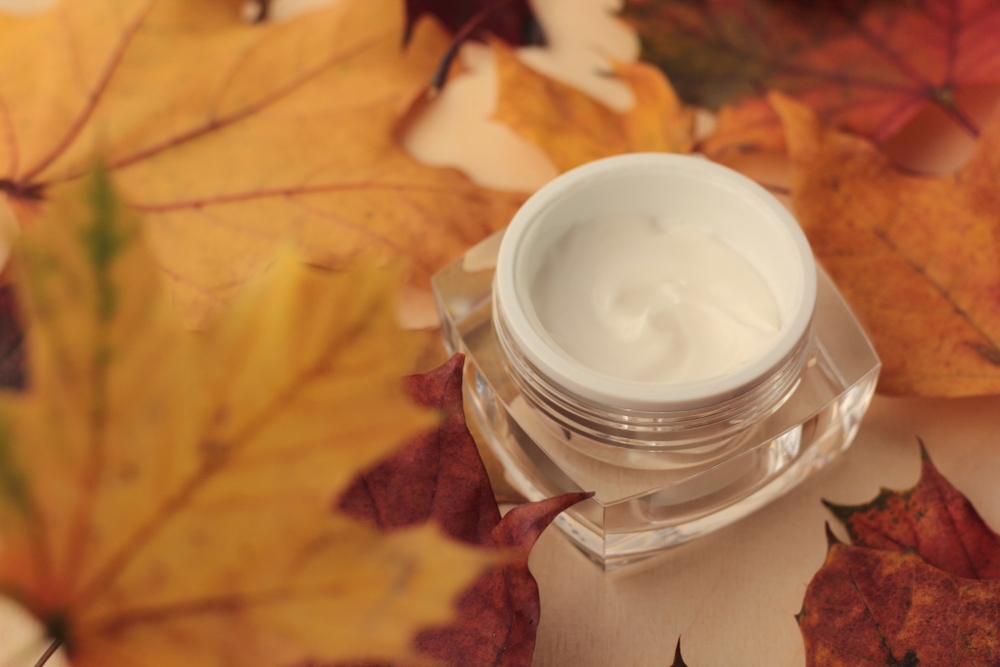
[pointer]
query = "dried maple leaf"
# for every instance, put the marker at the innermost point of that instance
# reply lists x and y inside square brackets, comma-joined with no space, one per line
[232,137]
[917,257]
[164,496]
[891,608]
[869,66]
[934,518]
[750,126]
[437,477]
[510,20]
[572,128]
[440,479]
[678,660]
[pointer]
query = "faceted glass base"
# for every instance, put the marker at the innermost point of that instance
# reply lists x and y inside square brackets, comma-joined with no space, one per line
[636,511]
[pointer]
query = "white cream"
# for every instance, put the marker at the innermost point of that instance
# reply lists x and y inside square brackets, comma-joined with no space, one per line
[638,300]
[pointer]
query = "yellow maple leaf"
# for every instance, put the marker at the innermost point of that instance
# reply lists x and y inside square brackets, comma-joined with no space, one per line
[165,496]
[573,129]
[232,137]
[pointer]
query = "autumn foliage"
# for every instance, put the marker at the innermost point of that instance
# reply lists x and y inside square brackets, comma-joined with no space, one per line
[895,609]
[165,496]
[865,66]
[440,479]
[919,585]
[226,497]
[231,138]
[194,494]
[916,255]
[827,86]
[287,130]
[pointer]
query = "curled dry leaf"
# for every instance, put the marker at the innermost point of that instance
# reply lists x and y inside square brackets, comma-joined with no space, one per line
[868,66]
[440,479]
[891,608]
[231,137]
[164,496]
[573,128]
[934,518]
[917,257]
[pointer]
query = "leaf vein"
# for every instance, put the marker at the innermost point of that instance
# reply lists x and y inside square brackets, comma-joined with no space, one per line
[181,499]
[291,191]
[93,98]
[938,288]
[215,123]
[871,615]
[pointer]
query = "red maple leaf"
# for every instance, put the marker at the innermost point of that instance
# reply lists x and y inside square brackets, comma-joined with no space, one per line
[866,606]
[510,20]
[865,65]
[921,585]
[440,478]
[934,518]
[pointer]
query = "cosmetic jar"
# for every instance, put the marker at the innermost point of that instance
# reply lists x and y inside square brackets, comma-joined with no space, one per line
[668,459]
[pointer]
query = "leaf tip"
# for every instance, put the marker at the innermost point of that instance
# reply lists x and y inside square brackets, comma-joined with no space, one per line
[925,457]
[455,364]
[782,103]
[678,660]
[831,539]
[841,512]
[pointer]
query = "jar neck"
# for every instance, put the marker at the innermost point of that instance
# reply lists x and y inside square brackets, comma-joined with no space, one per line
[666,430]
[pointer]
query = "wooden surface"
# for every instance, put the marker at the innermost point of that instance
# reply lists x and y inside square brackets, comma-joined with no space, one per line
[732,595]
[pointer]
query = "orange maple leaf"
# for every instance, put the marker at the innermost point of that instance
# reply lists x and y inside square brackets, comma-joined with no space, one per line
[751,126]
[231,137]
[917,257]
[165,497]
[573,129]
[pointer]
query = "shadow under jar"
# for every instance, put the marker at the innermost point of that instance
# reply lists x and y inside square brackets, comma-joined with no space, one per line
[676,444]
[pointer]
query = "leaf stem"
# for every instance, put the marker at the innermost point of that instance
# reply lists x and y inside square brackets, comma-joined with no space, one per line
[441,75]
[53,647]
[959,117]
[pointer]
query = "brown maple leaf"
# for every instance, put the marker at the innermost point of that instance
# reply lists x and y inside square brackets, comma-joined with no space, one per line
[440,479]
[934,518]
[231,137]
[916,257]
[572,128]
[868,66]
[866,606]
[164,496]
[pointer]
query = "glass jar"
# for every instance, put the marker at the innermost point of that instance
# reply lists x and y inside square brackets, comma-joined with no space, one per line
[667,461]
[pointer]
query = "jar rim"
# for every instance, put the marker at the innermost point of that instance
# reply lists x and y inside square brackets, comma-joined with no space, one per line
[514,307]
